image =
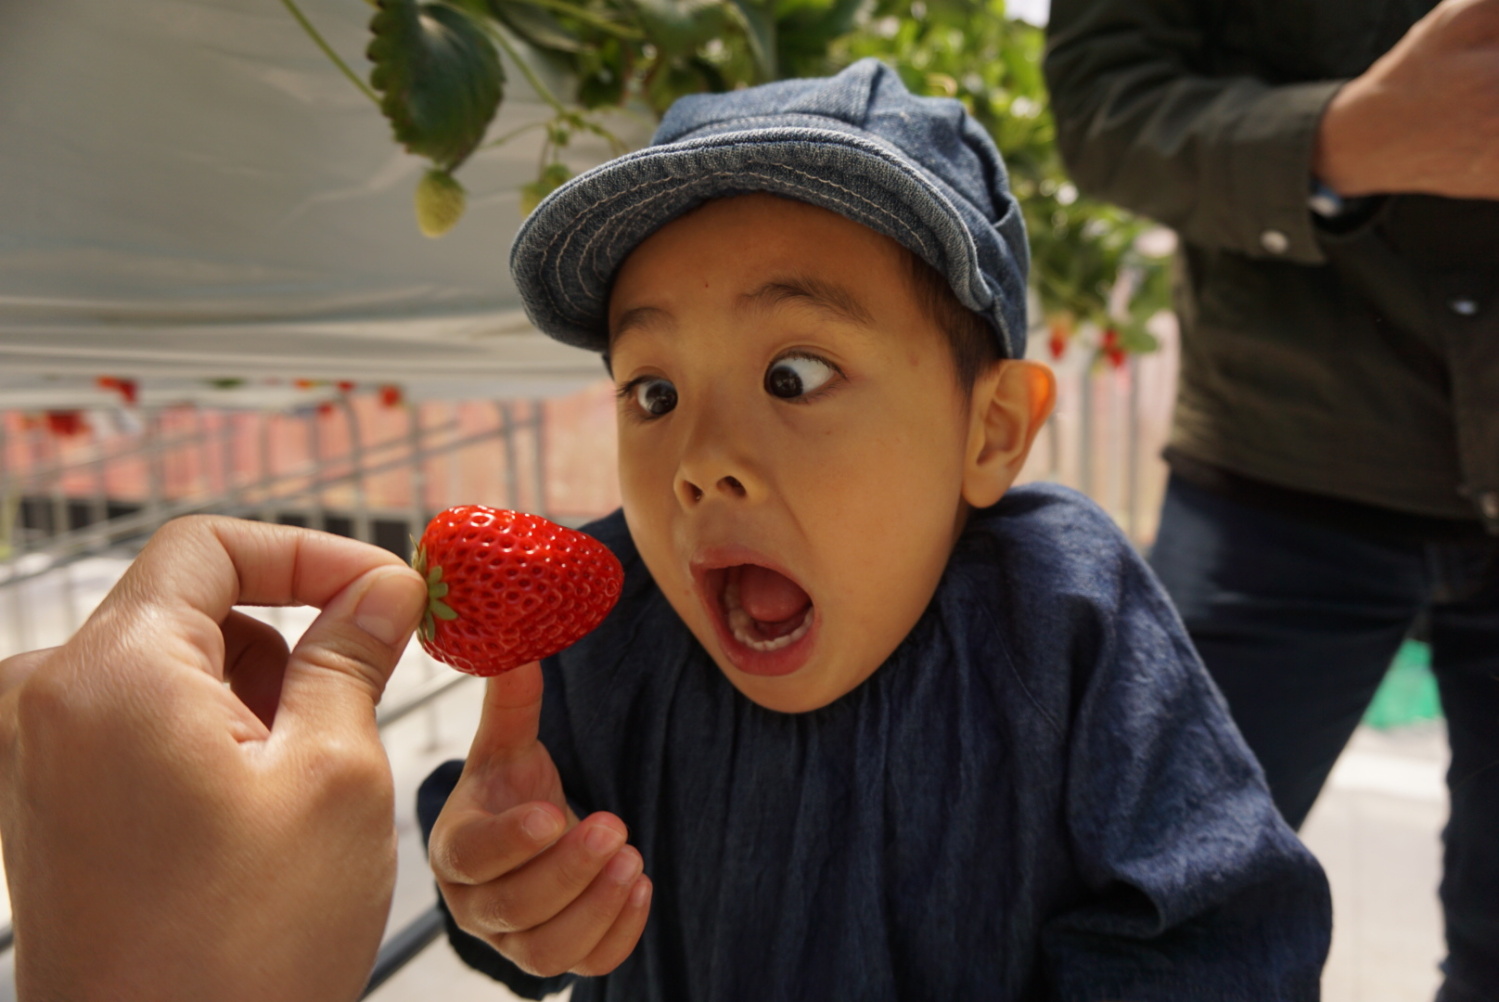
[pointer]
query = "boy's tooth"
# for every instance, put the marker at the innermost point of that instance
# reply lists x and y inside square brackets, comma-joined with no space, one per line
[741,622]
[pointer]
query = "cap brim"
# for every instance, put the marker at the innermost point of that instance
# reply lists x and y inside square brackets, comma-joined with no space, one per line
[568,250]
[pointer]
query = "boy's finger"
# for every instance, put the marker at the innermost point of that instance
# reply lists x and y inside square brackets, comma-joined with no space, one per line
[543,887]
[511,716]
[621,938]
[570,938]
[471,846]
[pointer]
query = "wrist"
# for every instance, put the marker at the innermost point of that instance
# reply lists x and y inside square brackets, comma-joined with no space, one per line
[1348,154]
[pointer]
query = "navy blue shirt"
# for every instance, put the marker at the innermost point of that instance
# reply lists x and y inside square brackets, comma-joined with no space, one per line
[1038,796]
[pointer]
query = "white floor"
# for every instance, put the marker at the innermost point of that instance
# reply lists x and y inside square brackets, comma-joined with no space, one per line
[1376,829]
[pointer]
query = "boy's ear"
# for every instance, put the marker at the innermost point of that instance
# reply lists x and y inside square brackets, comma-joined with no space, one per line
[1010,403]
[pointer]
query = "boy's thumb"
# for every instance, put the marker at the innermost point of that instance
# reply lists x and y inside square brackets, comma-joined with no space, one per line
[340,666]
[511,718]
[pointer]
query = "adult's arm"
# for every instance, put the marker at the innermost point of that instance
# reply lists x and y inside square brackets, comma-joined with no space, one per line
[1226,161]
[168,837]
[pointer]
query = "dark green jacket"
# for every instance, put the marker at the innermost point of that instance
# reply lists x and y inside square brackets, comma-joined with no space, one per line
[1362,365]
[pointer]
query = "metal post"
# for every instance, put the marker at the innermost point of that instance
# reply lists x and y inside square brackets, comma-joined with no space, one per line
[538,437]
[512,460]
[361,513]
[316,516]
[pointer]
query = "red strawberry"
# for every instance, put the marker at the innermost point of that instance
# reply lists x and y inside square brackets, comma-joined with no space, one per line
[506,588]
[391,396]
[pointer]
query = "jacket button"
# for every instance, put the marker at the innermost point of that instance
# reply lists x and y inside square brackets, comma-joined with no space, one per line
[1275,241]
[1489,504]
[1463,306]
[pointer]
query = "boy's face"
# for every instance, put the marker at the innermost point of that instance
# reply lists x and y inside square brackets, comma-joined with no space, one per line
[791,441]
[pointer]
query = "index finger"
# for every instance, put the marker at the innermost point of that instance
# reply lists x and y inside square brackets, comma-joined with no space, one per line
[211,563]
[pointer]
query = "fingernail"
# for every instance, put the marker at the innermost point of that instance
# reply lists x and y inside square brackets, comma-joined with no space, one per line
[624,867]
[602,840]
[540,824]
[389,609]
[641,894]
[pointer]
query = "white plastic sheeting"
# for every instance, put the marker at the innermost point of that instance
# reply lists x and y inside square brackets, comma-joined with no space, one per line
[189,189]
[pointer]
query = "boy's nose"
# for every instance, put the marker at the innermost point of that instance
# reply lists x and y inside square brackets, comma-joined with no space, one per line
[728,487]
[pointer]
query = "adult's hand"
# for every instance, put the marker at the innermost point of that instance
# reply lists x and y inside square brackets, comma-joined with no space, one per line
[516,867]
[170,838]
[1425,117]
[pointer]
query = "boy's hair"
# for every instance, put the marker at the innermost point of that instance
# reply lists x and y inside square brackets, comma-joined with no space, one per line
[969,336]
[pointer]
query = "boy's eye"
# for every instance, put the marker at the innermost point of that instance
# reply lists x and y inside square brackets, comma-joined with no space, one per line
[655,396]
[797,375]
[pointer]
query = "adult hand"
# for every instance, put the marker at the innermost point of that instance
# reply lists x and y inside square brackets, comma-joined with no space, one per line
[516,867]
[168,838]
[1425,117]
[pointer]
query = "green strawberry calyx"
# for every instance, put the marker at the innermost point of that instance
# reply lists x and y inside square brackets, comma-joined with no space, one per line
[437,590]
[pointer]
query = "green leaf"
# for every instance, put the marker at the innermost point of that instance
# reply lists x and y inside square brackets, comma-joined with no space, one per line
[433,577]
[443,611]
[439,590]
[535,25]
[678,27]
[438,75]
[760,27]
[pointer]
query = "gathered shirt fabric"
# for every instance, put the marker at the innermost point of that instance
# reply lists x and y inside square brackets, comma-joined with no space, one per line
[1038,796]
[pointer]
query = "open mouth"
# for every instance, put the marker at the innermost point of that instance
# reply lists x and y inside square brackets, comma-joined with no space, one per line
[762,617]
[764,609]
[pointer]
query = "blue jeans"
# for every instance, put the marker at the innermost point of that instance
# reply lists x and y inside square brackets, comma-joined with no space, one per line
[1298,622]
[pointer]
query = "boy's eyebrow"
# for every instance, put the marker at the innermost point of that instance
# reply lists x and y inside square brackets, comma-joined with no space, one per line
[828,297]
[640,316]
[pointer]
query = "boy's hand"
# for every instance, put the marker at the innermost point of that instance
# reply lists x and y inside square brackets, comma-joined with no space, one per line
[517,868]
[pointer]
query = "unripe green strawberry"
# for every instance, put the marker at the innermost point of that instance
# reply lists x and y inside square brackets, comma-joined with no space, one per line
[506,588]
[439,202]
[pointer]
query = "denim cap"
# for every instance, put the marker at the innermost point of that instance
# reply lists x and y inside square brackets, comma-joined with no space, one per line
[918,169]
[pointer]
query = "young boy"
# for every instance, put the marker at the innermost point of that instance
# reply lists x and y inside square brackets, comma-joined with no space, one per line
[880,727]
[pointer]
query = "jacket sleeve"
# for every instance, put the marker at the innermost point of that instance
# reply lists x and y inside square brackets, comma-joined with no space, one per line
[1194,886]
[1223,160]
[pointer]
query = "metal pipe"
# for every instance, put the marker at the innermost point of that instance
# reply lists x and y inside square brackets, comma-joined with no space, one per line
[423,695]
[402,948]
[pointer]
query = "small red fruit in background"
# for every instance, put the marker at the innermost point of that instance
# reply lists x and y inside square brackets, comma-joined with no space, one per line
[1112,349]
[66,424]
[391,396]
[128,389]
[1056,343]
[505,588]
[344,386]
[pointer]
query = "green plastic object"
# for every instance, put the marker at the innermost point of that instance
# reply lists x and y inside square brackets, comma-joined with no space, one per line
[1408,693]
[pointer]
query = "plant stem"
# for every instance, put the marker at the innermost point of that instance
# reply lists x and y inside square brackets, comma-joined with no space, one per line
[328,51]
[502,140]
[587,17]
[542,91]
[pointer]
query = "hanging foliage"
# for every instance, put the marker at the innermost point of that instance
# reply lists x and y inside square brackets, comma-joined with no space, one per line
[438,71]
